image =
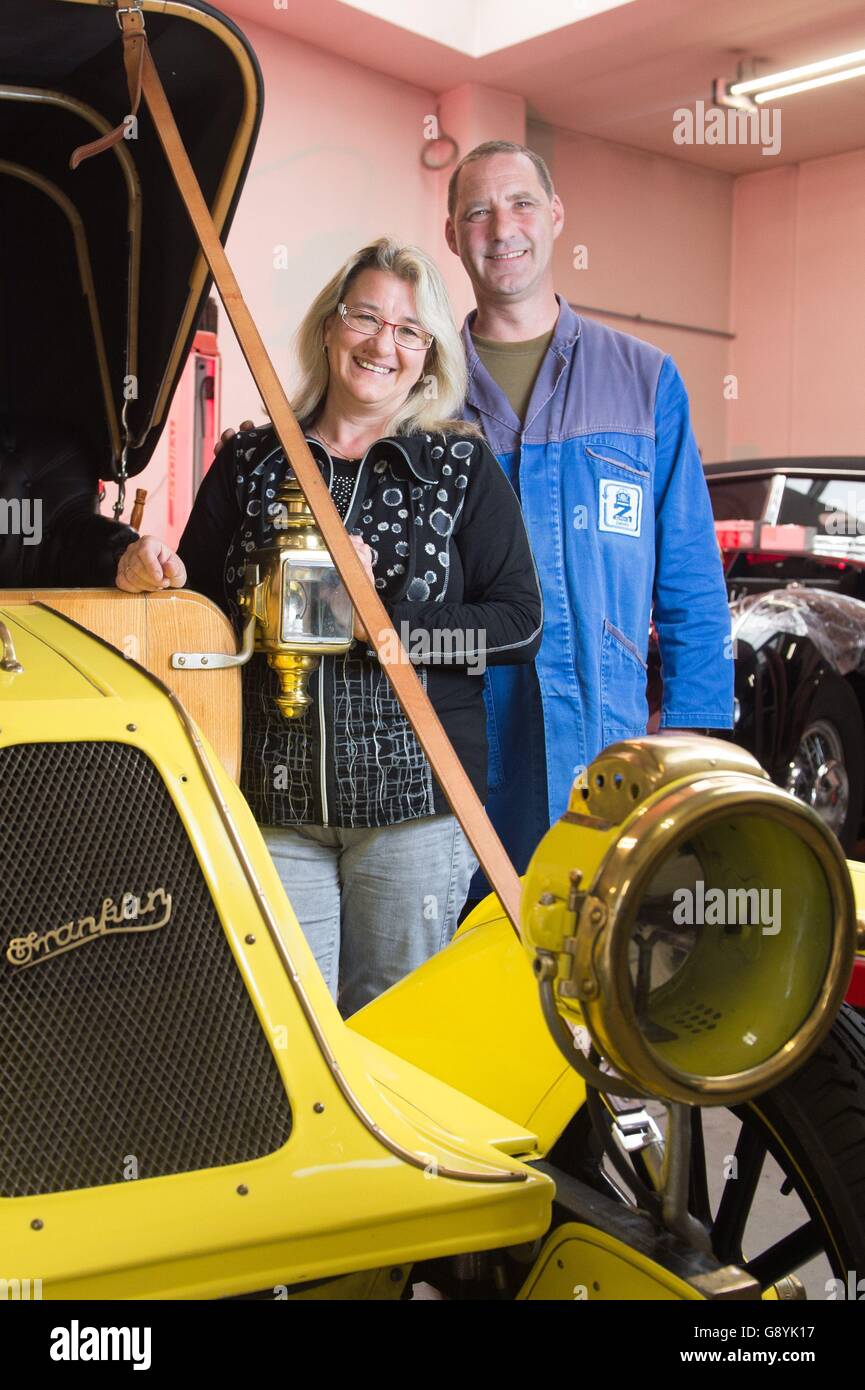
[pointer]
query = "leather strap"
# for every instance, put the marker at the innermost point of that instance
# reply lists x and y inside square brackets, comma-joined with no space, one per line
[131,22]
[448,769]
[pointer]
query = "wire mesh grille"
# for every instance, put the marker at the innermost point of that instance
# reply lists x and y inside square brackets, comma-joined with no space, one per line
[133,1054]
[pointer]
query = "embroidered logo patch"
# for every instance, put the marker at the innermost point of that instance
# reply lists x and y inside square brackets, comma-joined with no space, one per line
[620,507]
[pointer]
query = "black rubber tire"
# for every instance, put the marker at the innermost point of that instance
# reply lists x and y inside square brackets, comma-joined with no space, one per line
[835,703]
[817,1119]
[814,1125]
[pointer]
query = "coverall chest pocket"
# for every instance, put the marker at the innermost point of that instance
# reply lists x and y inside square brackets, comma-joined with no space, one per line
[624,707]
[622,491]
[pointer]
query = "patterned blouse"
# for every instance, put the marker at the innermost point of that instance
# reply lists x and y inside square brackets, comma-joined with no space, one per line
[450,555]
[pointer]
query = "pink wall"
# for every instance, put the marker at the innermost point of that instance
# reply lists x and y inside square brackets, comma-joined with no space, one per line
[657,239]
[470,114]
[337,164]
[774,256]
[798,308]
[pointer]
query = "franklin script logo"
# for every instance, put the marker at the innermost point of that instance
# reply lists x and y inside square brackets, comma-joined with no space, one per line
[129,913]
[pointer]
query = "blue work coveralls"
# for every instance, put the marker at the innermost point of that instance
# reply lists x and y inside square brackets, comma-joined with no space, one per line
[618,515]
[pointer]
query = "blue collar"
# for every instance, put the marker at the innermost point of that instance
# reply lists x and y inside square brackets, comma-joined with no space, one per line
[487,397]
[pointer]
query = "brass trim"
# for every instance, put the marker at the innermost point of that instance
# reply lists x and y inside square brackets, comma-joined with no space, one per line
[79,236]
[790,1289]
[729,1283]
[497,1175]
[9,663]
[626,773]
[9,92]
[619,883]
[227,184]
[35,949]
[860,929]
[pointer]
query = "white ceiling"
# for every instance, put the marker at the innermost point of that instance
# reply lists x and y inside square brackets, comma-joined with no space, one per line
[479,27]
[619,74]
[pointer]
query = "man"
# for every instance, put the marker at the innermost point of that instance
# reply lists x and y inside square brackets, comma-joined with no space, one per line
[51,534]
[592,427]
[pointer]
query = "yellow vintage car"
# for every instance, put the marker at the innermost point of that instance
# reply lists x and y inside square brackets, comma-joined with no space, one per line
[534,1114]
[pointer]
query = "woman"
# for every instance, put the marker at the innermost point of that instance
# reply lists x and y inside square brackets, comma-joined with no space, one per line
[376,866]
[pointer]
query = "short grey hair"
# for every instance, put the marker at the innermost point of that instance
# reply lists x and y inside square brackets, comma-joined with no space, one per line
[491,147]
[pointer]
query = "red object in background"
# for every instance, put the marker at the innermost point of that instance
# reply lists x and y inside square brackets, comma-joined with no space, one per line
[192,429]
[735,535]
[787,540]
[207,388]
[184,452]
[856,989]
[761,538]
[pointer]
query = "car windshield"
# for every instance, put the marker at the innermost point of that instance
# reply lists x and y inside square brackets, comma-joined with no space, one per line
[737,499]
[831,505]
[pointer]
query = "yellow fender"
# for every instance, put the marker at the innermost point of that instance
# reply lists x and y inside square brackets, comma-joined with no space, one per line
[471,1017]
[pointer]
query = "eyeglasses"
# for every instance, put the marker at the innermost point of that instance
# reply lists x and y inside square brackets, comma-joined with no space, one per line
[404,335]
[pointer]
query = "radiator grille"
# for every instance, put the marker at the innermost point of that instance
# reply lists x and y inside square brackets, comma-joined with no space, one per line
[133,1054]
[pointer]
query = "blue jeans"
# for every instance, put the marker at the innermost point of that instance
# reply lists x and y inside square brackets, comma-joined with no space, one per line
[373,904]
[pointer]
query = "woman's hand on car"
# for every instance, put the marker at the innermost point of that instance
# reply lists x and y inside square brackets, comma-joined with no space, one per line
[364,554]
[148,564]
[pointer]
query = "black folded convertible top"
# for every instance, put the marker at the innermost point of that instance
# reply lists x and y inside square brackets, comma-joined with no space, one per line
[101,278]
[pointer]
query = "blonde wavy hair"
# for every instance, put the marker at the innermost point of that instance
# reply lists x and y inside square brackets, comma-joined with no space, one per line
[424,409]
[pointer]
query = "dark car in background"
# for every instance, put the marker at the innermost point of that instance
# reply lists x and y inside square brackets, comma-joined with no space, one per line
[792,536]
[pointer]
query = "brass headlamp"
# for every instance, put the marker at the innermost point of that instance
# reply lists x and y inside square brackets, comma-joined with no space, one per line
[697,920]
[297,608]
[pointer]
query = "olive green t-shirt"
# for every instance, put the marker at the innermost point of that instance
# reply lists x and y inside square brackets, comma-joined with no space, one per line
[514,366]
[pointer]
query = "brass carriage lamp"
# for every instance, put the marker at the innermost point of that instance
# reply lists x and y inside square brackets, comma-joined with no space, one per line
[297,608]
[686,1001]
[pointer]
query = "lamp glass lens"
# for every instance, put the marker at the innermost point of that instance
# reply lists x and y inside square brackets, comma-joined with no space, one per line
[316,609]
[730,946]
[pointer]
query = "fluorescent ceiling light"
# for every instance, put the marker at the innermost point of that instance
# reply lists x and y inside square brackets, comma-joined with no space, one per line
[776,92]
[479,27]
[784,82]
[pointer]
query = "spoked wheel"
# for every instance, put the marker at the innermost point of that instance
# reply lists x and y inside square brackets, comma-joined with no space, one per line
[779,1182]
[818,776]
[827,769]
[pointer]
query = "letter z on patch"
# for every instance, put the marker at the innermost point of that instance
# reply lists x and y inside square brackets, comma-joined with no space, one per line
[620,507]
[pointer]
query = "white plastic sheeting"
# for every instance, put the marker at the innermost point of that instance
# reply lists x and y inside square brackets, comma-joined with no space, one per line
[833,622]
